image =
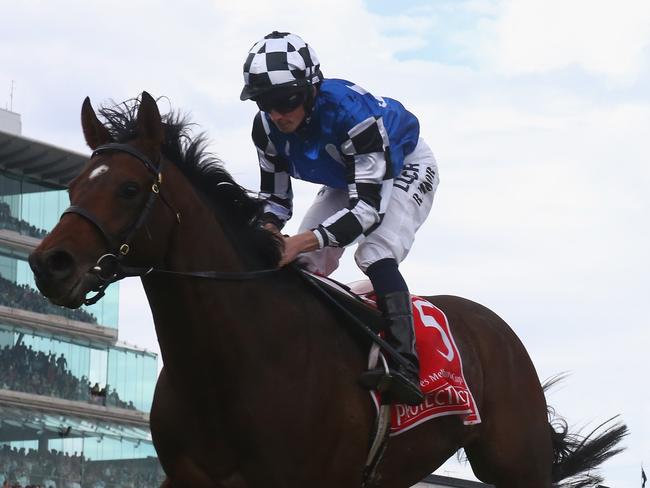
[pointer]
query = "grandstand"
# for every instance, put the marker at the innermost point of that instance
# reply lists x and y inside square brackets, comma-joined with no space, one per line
[74,402]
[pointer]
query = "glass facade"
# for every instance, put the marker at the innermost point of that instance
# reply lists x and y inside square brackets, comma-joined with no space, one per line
[102,449]
[15,269]
[86,455]
[133,376]
[55,449]
[52,366]
[32,209]
[98,441]
[59,469]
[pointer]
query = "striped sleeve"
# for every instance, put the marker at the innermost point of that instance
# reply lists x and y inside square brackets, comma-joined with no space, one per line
[370,181]
[275,183]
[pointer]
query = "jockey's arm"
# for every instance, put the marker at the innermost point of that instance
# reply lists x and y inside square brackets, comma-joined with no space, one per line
[275,183]
[365,153]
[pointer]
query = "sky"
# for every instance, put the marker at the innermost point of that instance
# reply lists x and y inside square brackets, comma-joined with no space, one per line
[537,111]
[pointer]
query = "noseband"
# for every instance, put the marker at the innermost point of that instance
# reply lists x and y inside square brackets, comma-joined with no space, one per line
[109,267]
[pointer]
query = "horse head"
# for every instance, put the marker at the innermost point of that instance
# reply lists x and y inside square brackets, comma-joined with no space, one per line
[113,205]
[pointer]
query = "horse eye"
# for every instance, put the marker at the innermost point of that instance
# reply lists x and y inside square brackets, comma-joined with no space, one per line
[129,190]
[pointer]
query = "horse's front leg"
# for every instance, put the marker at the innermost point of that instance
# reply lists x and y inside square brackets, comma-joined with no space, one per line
[187,474]
[190,457]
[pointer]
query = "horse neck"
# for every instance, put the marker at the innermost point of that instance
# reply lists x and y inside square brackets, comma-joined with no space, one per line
[199,241]
[186,310]
[226,344]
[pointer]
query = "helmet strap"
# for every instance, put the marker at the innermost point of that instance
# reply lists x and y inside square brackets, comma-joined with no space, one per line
[310,99]
[308,106]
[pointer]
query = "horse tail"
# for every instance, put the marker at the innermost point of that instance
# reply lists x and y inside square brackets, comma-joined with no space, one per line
[575,455]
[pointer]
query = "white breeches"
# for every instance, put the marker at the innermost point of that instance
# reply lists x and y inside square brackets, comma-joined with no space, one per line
[410,203]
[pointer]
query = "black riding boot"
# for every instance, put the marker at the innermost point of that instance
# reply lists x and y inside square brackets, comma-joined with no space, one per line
[403,384]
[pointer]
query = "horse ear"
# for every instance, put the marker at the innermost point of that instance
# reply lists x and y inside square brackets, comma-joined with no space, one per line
[94,131]
[149,122]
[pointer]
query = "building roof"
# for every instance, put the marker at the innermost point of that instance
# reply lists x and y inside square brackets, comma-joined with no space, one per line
[10,121]
[39,161]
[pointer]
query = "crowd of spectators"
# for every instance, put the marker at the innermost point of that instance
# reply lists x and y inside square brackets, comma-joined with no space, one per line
[29,468]
[7,221]
[25,369]
[26,298]
[144,473]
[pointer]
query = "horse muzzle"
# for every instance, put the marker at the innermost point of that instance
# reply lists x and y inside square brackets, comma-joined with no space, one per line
[60,277]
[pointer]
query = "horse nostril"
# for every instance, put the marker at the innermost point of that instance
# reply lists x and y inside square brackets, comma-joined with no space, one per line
[35,261]
[60,264]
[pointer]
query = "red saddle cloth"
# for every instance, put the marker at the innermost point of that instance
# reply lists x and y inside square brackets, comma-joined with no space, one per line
[441,373]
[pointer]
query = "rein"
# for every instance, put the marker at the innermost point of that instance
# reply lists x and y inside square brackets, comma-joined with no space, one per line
[109,268]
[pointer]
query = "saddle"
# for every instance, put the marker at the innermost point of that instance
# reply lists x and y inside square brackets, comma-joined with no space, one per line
[355,299]
[357,305]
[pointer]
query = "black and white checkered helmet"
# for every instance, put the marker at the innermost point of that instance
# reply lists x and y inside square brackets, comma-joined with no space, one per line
[280,59]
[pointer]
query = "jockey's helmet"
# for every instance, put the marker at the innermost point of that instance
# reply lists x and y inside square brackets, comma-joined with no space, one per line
[279,61]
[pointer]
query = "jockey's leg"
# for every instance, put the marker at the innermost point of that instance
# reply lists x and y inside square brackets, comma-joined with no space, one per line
[380,253]
[394,301]
[396,307]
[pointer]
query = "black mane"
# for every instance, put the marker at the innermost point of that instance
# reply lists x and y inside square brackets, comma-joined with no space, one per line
[232,203]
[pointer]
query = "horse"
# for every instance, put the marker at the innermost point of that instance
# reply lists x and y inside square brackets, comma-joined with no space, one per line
[259,384]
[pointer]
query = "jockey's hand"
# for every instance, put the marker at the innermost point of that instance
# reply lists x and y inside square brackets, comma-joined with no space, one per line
[295,245]
[272,227]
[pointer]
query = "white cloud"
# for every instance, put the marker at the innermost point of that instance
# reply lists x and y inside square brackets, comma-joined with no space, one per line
[606,38]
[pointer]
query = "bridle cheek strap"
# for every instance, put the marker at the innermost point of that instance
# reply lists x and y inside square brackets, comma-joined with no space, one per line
[108,267]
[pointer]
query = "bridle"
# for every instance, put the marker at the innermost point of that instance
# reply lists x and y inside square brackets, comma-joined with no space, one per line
[109,267]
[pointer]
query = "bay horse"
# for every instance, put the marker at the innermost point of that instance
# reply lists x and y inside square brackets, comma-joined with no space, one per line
[259,385]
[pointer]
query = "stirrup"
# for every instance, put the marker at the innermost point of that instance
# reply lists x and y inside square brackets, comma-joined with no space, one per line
[375,379]
[396,384]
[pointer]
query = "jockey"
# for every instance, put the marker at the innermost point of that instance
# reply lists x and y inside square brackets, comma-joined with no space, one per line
[378,178]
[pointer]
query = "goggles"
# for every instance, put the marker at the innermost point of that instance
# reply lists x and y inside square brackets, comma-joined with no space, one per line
[281,102]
